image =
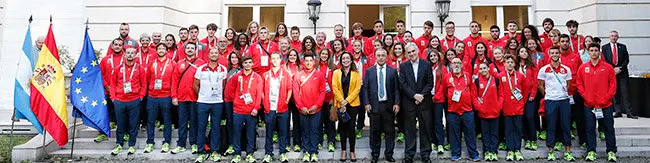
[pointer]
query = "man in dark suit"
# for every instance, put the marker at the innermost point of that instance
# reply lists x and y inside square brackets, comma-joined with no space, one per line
[616,54]
[416,82]
[381,100]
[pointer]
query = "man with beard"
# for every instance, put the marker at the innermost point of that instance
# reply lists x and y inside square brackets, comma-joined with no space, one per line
[107,65]
[159,98]
[460,96]
[416,82]
[222,45]
[545,41]
[575,40]
[401,29]
[338,34]
[184,96]
[128,88]
[495,42]
[211,39]
[449,42]
[124,35]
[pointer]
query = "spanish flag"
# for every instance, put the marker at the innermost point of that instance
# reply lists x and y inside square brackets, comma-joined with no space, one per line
[48,100]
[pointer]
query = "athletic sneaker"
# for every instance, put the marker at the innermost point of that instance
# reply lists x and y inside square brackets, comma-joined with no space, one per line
[116,150]
[330,147]
[164,148]
[502,146]
[236,159]
[611,156]
[441,149]
[359,134]
[149,148]
[601,135]
[195,149]
[178,150]
[296,148]
[200,159]
[267,159]
[131,151]
[229,151]
[558,146]
[400,137]
[551,155]
[518,156]
[314,157]
[284,158]
[568,156]
[250,158]
[591,156]
[305,157]
[510,156]
[216,157]
[100,138]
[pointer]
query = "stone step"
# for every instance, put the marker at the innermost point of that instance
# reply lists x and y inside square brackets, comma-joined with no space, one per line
[88,143]
[363,154]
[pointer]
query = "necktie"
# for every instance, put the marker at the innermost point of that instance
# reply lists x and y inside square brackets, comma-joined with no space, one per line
[615,55]
[381,83]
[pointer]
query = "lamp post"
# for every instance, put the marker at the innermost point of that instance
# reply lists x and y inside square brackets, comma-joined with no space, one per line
[442,7]
[314,10]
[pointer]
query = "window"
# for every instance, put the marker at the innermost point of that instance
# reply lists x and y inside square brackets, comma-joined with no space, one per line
[499,15]
[486,16]
[239,17]
[271,17]
[517,13]
[391,15]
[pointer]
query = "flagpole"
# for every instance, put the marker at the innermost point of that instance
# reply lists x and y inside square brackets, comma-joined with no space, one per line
[74,130]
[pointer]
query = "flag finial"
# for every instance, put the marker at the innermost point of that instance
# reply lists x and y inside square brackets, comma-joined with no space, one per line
[50,19]
[30,19]
[87,19]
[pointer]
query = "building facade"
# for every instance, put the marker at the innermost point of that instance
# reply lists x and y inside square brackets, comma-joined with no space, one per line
[596,18]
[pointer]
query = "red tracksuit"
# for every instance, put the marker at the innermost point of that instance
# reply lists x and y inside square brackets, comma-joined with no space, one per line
[285,86]
[460,83]
[229,90]
[258,51]
[107,66]
[164,71]
[369,48]
[495,43]
[596,84]
[324,69]
[241,87]
[201,51]
[576,43]
[512,106]
[506,37]
[470,42]
[123,75]
[296,45]
[309,90]
[394,62]
[212,43]
[350,47]
[399,38]
[450,43]
[422,42]
[183,79]
[545,41]
[365,63]
[530,72]
[492,103]
[438,84]
[498,67]
[223,57]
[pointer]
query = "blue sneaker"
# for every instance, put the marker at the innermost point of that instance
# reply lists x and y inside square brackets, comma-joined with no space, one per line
[455,158]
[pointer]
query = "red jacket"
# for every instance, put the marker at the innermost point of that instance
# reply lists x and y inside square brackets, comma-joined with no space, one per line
[470,42]
[201,52]
[212,43]
[545,41]
[223,57]
[138,82]
[229,90]
[492,102]
[399,38]
[241,83]
[258,52]
[447,43]
[506,37]
[512,106]
[156,70]
[183,86]
[285,86]
[128,43]
[573,61]
[324,69]
[422,42]
[493,44]
[596,84]
[461,83]
[394,62]
[351,40]
[365,62]
[438,84]
[369,49]
[577,43]
[296,45]
[107,66]
[531,80]
[309,90]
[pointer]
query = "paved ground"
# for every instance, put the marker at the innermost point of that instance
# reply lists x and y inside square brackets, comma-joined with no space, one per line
[625,160]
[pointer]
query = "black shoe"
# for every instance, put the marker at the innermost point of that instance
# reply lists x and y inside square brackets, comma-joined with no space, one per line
[390,159]
[374,160]
[618,115]
[407,160]
[632,116]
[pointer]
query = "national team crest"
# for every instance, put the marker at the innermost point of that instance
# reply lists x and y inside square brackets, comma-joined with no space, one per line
[503,79]
[562,71]
[422,43]
[587,69]
[182,65]
[110,61]
[482,86]
[469,44]
[44,75]
[542,39]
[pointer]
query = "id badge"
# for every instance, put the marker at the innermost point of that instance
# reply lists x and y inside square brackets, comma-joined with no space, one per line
[517,94]
[474,77]
[214,92]
[456,96]
[127,88]
[264,60]
[157,84]
[247,98]
[571,101]
[598,112]
[327,88]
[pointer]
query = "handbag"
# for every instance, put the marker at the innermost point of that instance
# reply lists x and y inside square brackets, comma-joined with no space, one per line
[343,116]
[333,114]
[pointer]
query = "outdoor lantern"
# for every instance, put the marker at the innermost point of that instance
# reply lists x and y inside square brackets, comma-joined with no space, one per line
[314,10]
[442,7]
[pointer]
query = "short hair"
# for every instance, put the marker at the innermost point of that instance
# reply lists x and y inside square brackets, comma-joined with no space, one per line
[338,25]
[450,22]
[379,21]
[509,57]
[212,26]
[357,25]
[572,23]
[183,29]
[513,22]
[161,44]
[597,39]
[429,23]
[495,27]
[564,36]
[276,53]
[295,28]
[554,48]
[189,43]
[193,26]
[549,20]
[263,28]
[117,39]
[614,31]
[474,21]
[145,35]
[126,24]
[309,54]
[380,49]
[409,32]
[593,45]
[245,58]
[412,45]
[399,21]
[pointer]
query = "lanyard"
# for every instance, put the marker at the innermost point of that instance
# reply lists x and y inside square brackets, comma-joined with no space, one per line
[522,70]
[155,69]
[268,45]
[487,86]
[113,62]
[558,79]
[250,80]
[454,84]
[509,82]
[447,44]
[571,43]
[132,72]
[190,63]
[434,76]
[306,79]
[271,74]
[174,56]
[210,77]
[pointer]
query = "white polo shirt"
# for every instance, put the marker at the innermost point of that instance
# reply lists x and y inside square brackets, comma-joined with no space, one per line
[211,83]
[555,83]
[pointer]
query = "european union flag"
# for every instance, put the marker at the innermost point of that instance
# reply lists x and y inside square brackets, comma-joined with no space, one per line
[87,90]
